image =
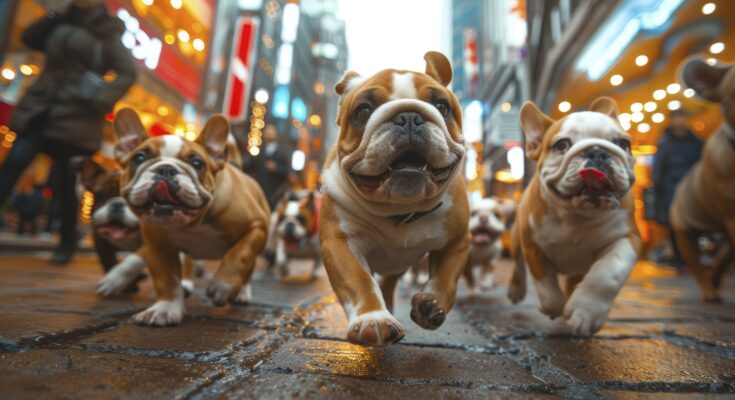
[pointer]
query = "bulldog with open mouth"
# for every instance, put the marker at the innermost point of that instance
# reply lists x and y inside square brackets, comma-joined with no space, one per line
[575,218]
[393,192]
[488,221]
[188,199]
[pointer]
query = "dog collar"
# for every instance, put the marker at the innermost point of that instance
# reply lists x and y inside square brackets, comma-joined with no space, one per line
[403,219]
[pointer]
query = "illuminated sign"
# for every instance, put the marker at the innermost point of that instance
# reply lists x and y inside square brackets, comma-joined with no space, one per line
[143,47]
[239,76]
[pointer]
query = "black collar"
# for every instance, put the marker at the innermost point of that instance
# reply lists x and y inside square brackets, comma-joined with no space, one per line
[403,219]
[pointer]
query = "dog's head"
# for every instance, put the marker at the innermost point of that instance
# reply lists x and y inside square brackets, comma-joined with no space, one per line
[489,218]
[296,216]
[111,218]
[168,180]
[584,159]
[400,139]
[713,83]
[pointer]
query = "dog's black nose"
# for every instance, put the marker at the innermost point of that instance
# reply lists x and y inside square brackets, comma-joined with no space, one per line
[117,206]
[484,219]
[408,120]
[167,171]
[598,156]
[290,228]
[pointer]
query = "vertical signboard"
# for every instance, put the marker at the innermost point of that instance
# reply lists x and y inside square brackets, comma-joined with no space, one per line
[239,76]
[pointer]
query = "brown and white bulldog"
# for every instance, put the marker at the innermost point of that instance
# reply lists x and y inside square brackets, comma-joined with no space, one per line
[575,219]
[393,192]
[705,199]
[295,234]
[188,199]
[488,220]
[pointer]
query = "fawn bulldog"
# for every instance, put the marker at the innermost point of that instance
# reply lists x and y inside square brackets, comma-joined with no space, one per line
[488,220]
[575,219]
[393,192]
[295,230]
[705,199]
[188,199]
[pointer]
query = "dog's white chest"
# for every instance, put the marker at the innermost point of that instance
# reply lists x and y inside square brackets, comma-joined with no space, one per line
[203,242]
[388,248]
[574,247]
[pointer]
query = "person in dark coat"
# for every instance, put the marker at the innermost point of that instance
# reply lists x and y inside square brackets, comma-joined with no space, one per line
[678,151]
[271,167]
[56,116]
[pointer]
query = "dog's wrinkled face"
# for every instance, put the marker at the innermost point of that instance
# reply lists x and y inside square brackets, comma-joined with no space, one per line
[111,218]
[714,83]
[400,132]
[488,220]
[584,160]
[296,215]
[168,180]
[114,221]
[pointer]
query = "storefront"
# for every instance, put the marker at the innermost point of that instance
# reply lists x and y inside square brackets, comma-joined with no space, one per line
[169,40]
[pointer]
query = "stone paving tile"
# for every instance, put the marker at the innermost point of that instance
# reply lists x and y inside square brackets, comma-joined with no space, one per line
[634,360]
[665,395]
[192,336]
[299,385]
[64,373]
[22,325]
[401,362]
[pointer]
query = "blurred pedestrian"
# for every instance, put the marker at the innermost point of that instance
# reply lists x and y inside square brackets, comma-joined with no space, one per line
[28,203]
[270,168]
[62,112]
[678,150]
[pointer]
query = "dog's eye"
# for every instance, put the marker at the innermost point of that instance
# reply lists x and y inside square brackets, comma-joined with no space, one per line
[301,219]
[623,144]
[562,145]
[362,114]
[139,157]
[197,163]
[443,108]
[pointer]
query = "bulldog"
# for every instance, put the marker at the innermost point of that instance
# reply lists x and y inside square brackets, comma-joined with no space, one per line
[114,227]
[295,233]
[704,201]
[393,192]
[575,219]
[488,220]
[188,199]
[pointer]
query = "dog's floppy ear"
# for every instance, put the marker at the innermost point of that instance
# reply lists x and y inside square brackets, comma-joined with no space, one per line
[605,105]
[214,136]
[343,86]
[704,79]
[130,132]
[87,169]
[438,67]
[535,124]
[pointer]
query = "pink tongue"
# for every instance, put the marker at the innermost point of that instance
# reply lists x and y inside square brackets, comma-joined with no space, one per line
[592,174]
[112,233]
[161,194]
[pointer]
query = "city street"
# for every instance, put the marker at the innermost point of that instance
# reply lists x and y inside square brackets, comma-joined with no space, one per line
[59,339]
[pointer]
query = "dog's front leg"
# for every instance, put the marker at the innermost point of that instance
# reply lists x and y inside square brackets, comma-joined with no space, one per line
[121,276]
[370,323]
[591,301]
[429,309]
[231,282]
[165,267]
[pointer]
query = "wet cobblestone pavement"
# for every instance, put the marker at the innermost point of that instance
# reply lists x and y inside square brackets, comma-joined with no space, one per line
[58,339]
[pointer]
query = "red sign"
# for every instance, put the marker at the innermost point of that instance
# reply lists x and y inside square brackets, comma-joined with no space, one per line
[178,72]
[239,76]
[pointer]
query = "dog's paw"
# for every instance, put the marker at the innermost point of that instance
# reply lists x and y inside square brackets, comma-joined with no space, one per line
[161,313]
[244,296]
[220,291]
[516,293]
[586,316]
[426,312]
[188,286]
[113,283]
[487,281]
[375,329]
